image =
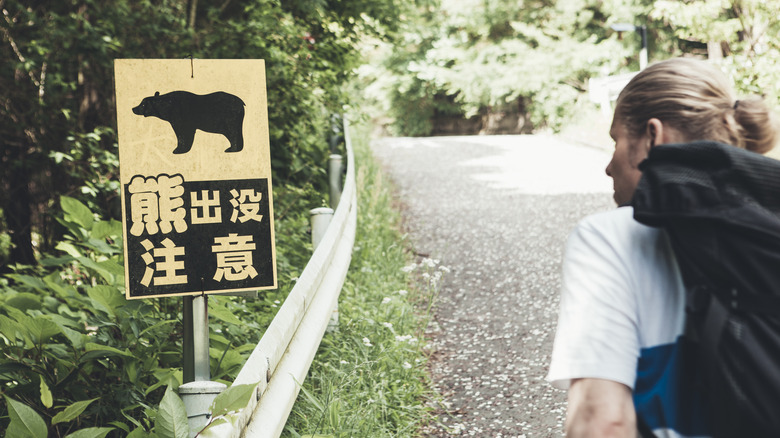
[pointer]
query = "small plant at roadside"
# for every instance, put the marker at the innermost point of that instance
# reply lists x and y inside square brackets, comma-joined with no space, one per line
[369,377]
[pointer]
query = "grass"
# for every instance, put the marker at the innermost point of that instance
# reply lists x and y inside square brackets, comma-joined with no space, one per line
[369,377]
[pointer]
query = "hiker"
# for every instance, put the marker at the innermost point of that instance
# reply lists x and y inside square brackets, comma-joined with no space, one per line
[618,347]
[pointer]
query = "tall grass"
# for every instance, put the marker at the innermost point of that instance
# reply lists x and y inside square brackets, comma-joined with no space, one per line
[369,377]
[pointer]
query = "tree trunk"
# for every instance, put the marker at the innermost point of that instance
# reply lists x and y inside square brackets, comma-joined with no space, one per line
[192,9]
[18,213]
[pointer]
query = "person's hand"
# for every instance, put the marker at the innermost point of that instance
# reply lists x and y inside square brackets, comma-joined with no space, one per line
[600,409]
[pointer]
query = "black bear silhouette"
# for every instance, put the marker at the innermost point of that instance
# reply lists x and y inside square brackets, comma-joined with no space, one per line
[218,113]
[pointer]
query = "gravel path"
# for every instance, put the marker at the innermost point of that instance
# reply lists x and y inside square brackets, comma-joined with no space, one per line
[496,210]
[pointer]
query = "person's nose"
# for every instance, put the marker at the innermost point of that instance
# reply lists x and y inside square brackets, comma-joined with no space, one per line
[608,170]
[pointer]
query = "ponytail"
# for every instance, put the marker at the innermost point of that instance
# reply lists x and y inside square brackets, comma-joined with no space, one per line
[755,126]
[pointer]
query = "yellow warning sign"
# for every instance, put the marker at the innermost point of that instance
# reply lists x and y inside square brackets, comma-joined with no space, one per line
[195,171]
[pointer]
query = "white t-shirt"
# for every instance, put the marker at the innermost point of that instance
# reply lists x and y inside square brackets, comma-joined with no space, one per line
[621,317]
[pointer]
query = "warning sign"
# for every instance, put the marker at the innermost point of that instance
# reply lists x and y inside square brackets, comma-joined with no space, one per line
[195,171]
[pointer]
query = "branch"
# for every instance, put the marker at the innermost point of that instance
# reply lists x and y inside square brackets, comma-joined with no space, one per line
[223,7]
[15,48]
[42,83]
[192,14]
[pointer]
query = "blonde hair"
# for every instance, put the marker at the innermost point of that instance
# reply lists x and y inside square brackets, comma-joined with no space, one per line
[695,98]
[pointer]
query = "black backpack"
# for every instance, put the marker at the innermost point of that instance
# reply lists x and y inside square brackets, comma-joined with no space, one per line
[720,206]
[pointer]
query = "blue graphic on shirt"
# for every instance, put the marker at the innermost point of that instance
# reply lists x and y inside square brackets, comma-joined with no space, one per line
[666,395]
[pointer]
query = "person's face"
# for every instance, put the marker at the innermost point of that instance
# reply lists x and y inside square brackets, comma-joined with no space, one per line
[623,169]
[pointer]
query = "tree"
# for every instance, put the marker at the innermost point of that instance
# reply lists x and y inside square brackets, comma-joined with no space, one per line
[494,54]
[743,35]
[57,121]
[56,111]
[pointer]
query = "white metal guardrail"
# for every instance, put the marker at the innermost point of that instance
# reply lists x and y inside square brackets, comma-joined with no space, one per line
[282,358]
[605,90]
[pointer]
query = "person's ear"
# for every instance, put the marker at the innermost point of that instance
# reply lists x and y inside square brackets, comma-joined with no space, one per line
[655,132]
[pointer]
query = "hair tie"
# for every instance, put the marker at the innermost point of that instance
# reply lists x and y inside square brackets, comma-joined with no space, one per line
[736,104]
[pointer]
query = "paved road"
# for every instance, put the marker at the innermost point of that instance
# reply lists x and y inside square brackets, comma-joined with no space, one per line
[496,210]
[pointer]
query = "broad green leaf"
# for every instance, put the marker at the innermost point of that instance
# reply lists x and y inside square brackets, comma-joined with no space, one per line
[90,432]
[103,229]
[228,359]
[223,314]
[73,227]
[10,328]
[112,267]
[25,422]
[54,284]
[101,246]
[36,330]
[55,261]
[79,212]
[140,433]
[95,266]
[158,325]
[11,367]
[106,297]
[232,399]
[131,370]
[98,350]
[76,338]
[46,397]
[121,426]
[24,301]
[71,412]
[172,417]
[70,249]
[207,432]
[218,340]
[245,348]
[34,282]
[165,377]
[39,330]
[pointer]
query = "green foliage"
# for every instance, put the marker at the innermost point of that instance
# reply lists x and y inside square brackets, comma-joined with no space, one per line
[228,402]
[69,336]
[369,376]
[745,32]
[172,417]
[485,56]
[57,121]
[24,421]
[232,399]
[494,56]
[67,333]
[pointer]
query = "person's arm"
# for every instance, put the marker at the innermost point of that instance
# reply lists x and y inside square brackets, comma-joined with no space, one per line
[600,408]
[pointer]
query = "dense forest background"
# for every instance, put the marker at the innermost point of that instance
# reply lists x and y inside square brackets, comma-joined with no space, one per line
[506,66]
[437,66]
[426,67]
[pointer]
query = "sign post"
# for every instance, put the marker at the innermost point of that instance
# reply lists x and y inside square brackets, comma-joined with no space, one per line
[195,174]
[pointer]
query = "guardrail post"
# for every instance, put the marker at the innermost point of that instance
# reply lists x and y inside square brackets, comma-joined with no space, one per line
[320,219]
[334,176]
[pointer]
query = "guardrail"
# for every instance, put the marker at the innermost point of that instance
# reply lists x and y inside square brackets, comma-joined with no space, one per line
[282,358]
[605,90]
